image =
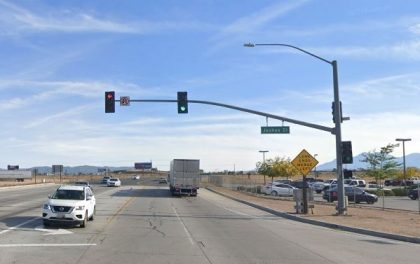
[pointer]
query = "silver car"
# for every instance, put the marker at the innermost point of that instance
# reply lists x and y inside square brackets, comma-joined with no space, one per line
[279,189]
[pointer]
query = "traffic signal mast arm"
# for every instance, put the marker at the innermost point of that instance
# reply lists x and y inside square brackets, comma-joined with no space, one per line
[293,121]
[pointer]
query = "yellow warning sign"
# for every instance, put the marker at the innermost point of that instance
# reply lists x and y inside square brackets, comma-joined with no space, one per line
[304,162]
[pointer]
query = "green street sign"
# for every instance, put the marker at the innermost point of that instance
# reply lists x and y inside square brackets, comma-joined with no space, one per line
[275,130]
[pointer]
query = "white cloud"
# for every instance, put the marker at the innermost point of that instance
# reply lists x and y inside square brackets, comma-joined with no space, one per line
[407,50]
[245,25]
[260,18]
[17,19]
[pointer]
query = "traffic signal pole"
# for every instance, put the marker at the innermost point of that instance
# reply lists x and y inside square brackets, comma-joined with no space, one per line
[341,206]
[268,115]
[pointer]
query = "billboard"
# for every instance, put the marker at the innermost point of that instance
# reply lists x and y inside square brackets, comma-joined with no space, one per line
[57,169]
[143,165]
[12,167]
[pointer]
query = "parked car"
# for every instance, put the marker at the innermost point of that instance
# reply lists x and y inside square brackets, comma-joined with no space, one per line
[358,183]
[299,184]
[163,180]
[105,179]
[376,187]
[283,181]
[114,182]
[318,186]
[354,194]
[414,194]
[69,204]
[279,189]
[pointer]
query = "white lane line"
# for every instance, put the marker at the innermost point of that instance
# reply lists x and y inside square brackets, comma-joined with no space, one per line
[183,225]
[45,245]
[18,226]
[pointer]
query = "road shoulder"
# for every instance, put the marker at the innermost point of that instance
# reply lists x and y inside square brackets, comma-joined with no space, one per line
[402,226]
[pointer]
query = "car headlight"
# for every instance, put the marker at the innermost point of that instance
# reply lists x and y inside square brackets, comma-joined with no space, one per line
[80,207]
[47,207]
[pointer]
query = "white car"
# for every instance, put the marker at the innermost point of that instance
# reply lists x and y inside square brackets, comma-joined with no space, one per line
[70,204]
[279,189]
[376,187]
[115,182]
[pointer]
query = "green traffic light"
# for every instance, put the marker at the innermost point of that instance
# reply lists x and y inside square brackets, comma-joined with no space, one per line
[182,103]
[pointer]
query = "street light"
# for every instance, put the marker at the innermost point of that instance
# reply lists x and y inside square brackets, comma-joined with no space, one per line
[341,207]
[263,152]
[403,140]
[315,155]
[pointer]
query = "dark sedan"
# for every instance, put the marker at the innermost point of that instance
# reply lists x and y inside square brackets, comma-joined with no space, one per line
[414,194]
[354,194]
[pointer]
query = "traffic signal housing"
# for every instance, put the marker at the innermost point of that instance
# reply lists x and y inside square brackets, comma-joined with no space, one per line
[110,102]
[346,152]
[348,174]
[182,103]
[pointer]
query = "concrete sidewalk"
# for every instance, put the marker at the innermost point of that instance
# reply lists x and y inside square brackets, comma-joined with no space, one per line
[391,224]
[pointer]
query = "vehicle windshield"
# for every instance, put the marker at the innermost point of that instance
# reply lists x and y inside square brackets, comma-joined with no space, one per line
[68,195]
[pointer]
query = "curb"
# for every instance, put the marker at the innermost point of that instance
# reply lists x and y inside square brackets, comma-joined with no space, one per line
[362,231]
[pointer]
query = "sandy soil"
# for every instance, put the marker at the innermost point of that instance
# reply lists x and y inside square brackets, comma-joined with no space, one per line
[389,221]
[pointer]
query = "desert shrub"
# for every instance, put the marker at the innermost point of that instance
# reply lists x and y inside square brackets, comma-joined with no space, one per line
[380,192]
[400,192]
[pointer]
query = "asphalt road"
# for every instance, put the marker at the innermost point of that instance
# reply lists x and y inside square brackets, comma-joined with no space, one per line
[142,223]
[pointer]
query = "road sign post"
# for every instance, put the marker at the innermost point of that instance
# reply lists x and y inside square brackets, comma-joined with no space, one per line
[304,162]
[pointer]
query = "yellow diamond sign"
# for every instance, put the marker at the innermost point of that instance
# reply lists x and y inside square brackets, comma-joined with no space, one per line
[304,162]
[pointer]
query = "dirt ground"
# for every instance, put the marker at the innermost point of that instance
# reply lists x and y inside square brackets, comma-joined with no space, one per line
[389,221]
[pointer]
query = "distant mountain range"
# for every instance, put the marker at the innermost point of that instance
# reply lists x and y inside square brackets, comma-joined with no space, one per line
[79,169]
[411,160]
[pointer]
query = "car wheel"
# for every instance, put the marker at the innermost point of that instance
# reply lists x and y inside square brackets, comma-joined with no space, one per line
[274,193]
[83,225]
[413,198]
[370,202]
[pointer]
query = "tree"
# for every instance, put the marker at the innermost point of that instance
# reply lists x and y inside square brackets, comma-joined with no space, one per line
[382,164]
[284,168]
[264,168]
[277,167]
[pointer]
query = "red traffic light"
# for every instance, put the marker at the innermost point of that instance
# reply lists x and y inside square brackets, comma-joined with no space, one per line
[109,102]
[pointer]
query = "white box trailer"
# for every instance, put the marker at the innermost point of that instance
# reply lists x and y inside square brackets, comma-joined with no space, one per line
[18,175]
[184,177]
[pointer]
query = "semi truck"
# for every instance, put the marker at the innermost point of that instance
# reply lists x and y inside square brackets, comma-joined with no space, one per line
[184,177]
[17,175]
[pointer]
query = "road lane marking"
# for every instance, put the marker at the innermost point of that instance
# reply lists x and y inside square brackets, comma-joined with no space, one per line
[183,225]
[18,226]
[45,245]
[52,231]
[127,202]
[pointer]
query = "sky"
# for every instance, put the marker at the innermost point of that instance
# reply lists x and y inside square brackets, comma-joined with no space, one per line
[59,57]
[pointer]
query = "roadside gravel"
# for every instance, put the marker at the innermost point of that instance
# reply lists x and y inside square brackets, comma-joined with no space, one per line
[388,221]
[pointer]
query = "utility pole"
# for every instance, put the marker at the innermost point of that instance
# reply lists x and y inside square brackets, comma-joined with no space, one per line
[263,152]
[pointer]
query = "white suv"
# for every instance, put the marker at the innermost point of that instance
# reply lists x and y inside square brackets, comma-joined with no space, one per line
[70,204]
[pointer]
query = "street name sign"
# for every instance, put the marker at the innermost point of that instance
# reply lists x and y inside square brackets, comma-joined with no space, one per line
[275,130]
[304,162]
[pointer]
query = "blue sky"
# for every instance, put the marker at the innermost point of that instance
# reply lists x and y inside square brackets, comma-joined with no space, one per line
[59,57]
